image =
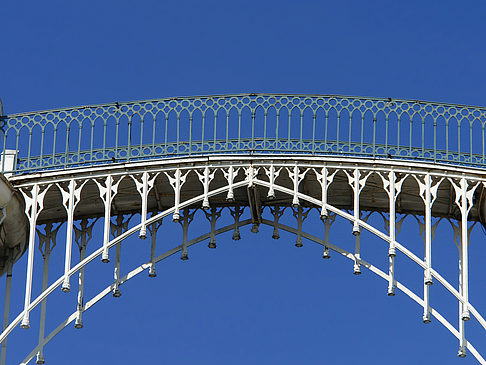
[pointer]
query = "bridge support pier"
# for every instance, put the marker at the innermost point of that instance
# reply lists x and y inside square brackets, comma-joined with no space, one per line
[6,310]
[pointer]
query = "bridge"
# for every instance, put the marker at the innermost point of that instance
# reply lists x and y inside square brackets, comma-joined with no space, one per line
[93,178]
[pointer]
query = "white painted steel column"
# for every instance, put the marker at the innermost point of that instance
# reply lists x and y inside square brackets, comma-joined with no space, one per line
[69,236]
[106,231]
[462,325]
[356,190]
[32,204]
[464,247]
[144,195]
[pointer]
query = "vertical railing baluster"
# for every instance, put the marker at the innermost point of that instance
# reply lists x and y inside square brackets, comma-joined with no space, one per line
[386,134]
[277,125]
[117,127]
[459,138]
[202,131]
[66,147]
[41,150]
[80,129]
[325,129]
[423,135]
[215,128]
[265,114]
[239,129]
[398,134]
[190,133]
[129,136]
[105,122]
[4,148]
[314,132]
[350,129]
[288,129]
[17,144]
[252,129]
[227,127]
[337,130]
[410,136]
[91,140]
[154,120]
[482,135]
[435,139]
[301,143]
[140,152]
[374,135]
[30,143]
[362,131]
[447,138]
[470,140]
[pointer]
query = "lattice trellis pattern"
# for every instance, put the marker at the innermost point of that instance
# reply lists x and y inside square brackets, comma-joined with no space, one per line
[246,123]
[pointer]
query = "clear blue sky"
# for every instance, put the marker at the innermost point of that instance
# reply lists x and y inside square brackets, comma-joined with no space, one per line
[259,301]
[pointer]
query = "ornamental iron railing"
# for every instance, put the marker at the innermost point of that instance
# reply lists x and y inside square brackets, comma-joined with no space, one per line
[245,124]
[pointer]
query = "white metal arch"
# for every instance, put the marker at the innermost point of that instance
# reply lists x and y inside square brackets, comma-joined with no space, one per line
[298,195]
[146,266]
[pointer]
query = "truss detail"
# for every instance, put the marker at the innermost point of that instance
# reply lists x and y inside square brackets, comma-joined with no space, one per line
[220,191]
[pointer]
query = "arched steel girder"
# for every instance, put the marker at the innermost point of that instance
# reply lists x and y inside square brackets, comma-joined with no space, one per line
[146,266]
[285,190]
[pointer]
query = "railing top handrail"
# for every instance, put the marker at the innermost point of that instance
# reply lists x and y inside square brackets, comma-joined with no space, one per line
[241,95]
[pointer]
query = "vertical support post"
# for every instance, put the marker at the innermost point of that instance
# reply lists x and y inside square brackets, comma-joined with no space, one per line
[462,324]
[236,214]
[153,228]
[356,211]
[212,217]
[272,175]
[176,182]
[70,198]
[295,179]
[277,212]
[205,178]
[6,311]
[116,230]
[300,215]
[428,193]
[82,237]
[464,247]
[143,228]
[328,221]
[325,179]
[424,232]
[391,250]
[106,230]
[392,187]
[108,190]
[33,206]
[296,176]
[357,183]
[357,248]
[69,237]
[464,200]
[47,242]
[144,186]
[230,177]
[357,255]
[186,220]
[428,233]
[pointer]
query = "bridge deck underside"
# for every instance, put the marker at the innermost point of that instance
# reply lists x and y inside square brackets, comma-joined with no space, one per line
[372,198]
